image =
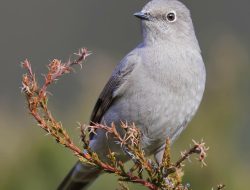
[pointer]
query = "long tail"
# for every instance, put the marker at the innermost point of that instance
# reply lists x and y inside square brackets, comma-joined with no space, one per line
[79,177]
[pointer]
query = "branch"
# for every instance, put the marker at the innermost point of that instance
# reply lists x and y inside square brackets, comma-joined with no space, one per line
[168,175]
[198,148]
[37,99]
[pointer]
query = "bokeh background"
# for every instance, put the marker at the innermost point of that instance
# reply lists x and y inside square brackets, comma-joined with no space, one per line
[43,30]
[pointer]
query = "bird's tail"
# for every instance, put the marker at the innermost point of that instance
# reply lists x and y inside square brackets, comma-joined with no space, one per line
[79,177]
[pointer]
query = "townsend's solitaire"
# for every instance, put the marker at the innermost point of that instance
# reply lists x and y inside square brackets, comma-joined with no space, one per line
[158,86]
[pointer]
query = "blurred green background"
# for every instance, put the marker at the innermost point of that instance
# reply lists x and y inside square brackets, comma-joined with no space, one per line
[48,29]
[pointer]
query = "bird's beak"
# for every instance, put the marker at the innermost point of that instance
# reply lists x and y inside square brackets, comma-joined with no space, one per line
[142,15]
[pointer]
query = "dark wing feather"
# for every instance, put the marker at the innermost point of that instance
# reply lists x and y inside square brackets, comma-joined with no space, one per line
[106,98]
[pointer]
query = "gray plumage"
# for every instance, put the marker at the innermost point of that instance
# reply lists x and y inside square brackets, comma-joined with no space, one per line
[158,86]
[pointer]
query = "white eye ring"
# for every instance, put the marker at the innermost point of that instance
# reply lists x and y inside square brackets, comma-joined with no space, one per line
[171,16]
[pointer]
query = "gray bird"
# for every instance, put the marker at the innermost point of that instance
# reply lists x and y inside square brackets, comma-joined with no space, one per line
[158,86]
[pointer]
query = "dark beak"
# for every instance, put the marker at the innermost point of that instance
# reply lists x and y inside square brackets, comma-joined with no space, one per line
[142,16]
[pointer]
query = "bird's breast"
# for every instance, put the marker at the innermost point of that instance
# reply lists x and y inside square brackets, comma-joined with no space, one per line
[160,98]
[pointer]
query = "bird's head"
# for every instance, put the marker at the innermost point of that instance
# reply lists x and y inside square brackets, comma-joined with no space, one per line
[166,20]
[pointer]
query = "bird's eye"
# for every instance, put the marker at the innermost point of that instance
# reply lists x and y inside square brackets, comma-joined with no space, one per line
[171,17]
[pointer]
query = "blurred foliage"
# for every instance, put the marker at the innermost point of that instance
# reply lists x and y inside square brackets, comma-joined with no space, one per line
[43,30]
